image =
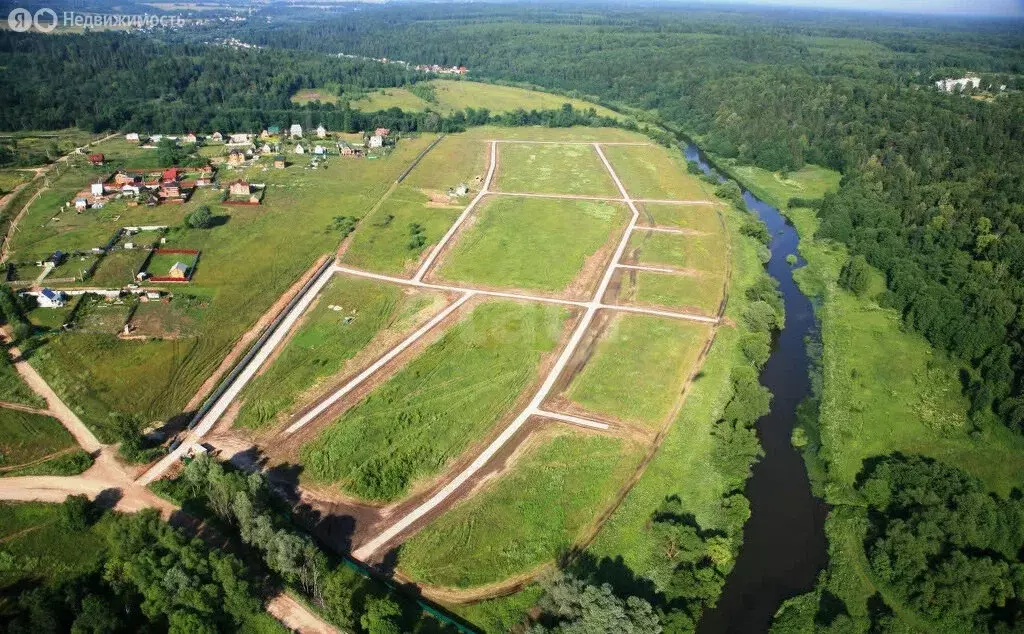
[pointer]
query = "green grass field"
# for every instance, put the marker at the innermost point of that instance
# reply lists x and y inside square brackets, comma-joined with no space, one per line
[810,181]
[11,178]
[327,340]
[249,259]
[385,241]
[639,367]
[118,268]
[700,292]
[27,438]
[451,95]
[684,465]
[653,171]
[30,533]
[510,236]
[410,427]
[701,218]
[458,158]
[526,517]
[552,169]
[707,253]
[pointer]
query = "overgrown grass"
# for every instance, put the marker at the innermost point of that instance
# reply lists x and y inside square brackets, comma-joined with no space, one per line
[639,367]
[552,169]
[12,388]
[449,396]
[653,171]
[386,241]
[700,292]
[43,551]
[27,437]
[349,314]
[527,517]
[499,616]
[532,243]
[706,252]
[458,158]
[809,182]
[119,268]
[702,218]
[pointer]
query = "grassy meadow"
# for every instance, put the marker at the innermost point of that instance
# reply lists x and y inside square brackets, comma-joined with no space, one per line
[552,169]
[451,95]
[707,253]
[639,367]
[35,444]
[699,292]
[327,340]
[531,243]
[525,517]
[653,171]
[30,532]
[442,401]
[13,389]
[250,257]
[699,218]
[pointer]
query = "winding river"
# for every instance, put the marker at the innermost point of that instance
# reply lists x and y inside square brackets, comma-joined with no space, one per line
[784,545]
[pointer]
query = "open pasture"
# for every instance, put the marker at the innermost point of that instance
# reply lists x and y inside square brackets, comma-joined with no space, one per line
[535,243]
[348,317]
[696,218]
[706,253]
[653,171]
[552,169]
[639,368]
[409,428]
[525,517]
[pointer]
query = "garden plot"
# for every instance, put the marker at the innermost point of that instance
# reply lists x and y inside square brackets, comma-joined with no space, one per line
[353,319]
[118,268]
[707,252]
[639,368]
[573,169]
[100,315]
[525,517]
[169,317]
[655,172]
[536,243]
[412,426]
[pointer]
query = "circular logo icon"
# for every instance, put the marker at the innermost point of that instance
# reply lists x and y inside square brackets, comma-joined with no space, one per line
[45,14]
[20,20]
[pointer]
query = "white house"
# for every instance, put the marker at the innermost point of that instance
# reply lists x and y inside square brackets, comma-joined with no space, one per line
[240,139]
[299,149]
[321,132]
[156,138]
[49,298]
[319,150]
[81,203]
[950,84]
[132,136]
[295,131]
[96,189]
[376,141]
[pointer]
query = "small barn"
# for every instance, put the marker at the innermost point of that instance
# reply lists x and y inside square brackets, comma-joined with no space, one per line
[179,271]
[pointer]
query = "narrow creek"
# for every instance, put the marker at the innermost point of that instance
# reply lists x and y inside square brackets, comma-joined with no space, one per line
[784,545]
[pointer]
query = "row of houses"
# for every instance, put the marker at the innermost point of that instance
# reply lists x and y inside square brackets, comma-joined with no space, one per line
[240,138]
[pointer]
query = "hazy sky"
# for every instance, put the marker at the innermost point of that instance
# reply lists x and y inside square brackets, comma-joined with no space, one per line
[967,7]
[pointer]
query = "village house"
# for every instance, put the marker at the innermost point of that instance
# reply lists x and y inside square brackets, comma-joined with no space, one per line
[265,134]
[179,271]
[319,150]
[382,132]
[97,189]
[240,139]
[217,136]
[156,138]
[169,175]
[81,203]
[299,149]
[132,137]
[170,190]
[237,157]
[191,138]
[376,141]
[345,148]
[266,149]
[279,162]
[239,188]
[321,132]
[129,190]
[49,298]
[274,130]
[124,178]
[296,131]
[96,159]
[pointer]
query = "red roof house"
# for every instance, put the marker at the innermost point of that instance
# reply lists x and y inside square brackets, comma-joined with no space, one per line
[170,174]
[96,159]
